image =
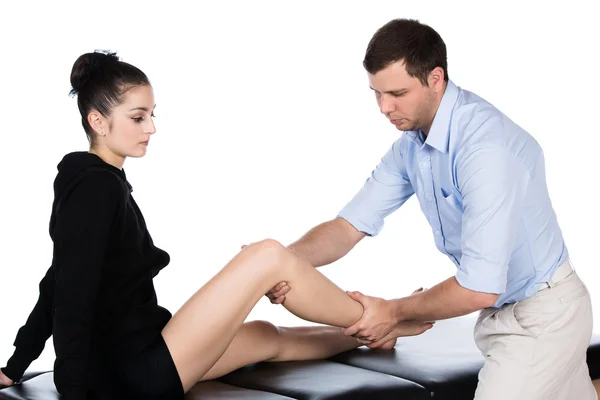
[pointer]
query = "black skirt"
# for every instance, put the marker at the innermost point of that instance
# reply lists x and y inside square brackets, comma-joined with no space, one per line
[150,375]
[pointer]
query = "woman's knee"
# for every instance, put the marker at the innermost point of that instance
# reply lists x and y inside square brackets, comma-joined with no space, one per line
[266,245]
[270,254]
[269,332]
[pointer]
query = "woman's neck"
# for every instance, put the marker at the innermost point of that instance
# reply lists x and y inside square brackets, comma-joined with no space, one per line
[109,157]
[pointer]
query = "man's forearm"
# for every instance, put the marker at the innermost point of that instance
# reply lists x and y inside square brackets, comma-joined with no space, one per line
[327,242]
[445,300]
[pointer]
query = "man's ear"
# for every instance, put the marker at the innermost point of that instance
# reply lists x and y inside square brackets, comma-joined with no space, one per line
[436,79]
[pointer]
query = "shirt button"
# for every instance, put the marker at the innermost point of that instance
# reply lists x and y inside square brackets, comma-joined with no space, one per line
[430,198]
[438,232]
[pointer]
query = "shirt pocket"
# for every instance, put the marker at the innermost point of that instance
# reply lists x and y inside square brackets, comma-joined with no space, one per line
[450,211]
[452,199]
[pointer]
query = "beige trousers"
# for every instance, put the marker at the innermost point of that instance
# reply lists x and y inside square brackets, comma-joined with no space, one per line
[536,348]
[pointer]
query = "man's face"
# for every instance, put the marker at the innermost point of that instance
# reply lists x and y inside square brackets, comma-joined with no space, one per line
[403,99]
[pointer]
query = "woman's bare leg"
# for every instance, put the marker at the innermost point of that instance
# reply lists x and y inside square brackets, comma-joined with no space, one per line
[596,384]
[201,331]
[262,341]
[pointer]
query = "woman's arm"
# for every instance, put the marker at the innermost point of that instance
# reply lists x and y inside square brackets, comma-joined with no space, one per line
[31,338]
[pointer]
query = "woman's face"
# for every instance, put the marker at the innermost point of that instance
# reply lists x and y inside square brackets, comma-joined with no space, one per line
[127,130]
[131,124]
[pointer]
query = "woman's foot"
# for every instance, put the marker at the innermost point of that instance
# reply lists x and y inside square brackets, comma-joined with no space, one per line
[412,328]
[406,328]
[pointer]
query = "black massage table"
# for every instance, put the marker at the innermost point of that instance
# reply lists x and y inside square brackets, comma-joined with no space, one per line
[442,364]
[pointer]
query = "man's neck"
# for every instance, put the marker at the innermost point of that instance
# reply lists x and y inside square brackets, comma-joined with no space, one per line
[425,129]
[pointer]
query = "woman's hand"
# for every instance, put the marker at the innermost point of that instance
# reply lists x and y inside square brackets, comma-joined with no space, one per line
[5,381]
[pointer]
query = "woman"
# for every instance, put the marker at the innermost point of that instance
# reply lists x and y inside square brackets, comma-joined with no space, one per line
[98,300]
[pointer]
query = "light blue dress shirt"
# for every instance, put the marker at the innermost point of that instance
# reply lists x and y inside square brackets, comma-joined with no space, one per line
[481,184]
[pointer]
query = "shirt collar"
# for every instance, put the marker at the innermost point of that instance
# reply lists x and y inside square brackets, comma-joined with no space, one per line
[440,129]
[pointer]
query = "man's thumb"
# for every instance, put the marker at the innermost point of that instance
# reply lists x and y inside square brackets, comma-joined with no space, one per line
[355,295]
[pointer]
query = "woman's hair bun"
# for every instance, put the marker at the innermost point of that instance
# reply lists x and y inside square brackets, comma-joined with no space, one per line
[88,65]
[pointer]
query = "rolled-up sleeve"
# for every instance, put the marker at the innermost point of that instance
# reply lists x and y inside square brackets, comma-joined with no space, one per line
[384,191]
[493,184]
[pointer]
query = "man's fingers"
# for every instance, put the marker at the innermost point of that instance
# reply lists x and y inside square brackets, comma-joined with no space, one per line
[277,294]
[355,294]
[352,330]
[375,345]
[382,341]
[280,293]
[277,288]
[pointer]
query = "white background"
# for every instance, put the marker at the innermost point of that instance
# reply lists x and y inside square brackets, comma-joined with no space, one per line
[266,127]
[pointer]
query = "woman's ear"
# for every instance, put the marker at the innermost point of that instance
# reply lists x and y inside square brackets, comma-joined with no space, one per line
[96,121]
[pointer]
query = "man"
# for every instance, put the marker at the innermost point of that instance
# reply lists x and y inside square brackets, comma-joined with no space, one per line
[480,181]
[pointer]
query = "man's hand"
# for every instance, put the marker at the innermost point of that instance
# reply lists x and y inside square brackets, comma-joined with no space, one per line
[377,321]
[5,381]
[378,317]
[277,294]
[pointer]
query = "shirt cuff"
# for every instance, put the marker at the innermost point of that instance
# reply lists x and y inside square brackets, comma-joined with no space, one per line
[480,275]
[361,221]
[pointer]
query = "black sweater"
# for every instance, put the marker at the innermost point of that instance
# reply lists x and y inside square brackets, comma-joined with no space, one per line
[97,299]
